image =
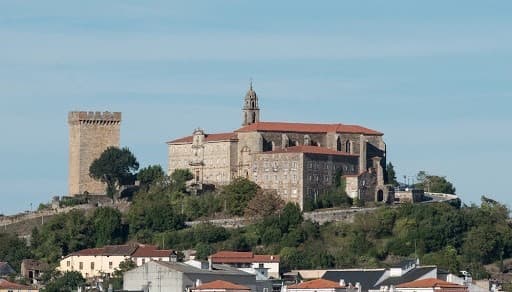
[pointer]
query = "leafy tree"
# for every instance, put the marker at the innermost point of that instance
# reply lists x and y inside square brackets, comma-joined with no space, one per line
[114,167]
[237,195]
[391,174]
[179,179]
[434,183]
[13,250]
[149,175]
[290,218]
[264,203]
[69,281]
[108,228]
[117,275]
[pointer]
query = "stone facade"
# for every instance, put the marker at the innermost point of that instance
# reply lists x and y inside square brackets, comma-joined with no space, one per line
[253,150]
[90,133]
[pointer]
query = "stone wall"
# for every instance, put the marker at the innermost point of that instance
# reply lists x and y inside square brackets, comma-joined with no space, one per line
[90,133]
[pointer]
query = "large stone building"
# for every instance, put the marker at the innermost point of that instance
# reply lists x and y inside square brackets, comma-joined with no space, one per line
[90,133]
[298,160]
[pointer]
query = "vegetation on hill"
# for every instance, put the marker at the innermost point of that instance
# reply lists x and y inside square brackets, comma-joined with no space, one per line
[454,237]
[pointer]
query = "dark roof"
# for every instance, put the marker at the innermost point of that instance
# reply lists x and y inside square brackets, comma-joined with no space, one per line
[6,269]
[405,263]
[410,276]
[367,278]
[310,150]
[230,257]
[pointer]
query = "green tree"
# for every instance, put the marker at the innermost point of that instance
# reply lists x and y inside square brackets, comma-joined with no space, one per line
[67,282]
[13,250]
[179,179]
[434,183]
[264,203]
[391,174]
[237,195]
[114,167]
[149,175]
[107,225]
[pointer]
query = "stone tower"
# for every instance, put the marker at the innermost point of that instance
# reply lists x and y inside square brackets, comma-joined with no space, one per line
[90,133]
[251,111]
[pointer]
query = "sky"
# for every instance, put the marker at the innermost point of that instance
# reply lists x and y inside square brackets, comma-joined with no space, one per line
[434,76]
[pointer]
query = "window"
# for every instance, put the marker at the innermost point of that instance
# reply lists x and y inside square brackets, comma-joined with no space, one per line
[68,263]
[110,265]
[294,165]
[81,265]
[261,266]
[143,261]
[92,265]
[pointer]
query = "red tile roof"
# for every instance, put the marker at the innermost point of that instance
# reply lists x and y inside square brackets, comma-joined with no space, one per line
[317,284]
[310,150]
[208,138]
[307,128]
[151,251]
[231,257]
[221,285]
[430,283]
[4,284]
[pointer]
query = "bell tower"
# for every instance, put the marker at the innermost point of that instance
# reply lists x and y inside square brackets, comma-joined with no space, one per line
[251,110]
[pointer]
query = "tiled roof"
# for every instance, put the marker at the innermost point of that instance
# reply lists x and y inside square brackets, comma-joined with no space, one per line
[148,251]
[307,128]
[219,284]
[430,283]
[4,284]
[317,284]
[208,138]
[309,150]
[230,257]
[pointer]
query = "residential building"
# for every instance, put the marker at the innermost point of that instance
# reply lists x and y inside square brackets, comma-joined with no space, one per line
[179,277]
[319,285]
[220,286]
[32,270]
[265,264]
[96,262]
[298,160]
[430,285]
[6,286]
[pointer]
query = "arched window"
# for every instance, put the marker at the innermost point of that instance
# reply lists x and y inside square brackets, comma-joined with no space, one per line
[347,146]
[338,144]
[253,117]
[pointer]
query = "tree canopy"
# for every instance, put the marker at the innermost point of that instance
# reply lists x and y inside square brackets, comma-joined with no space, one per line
[114,167]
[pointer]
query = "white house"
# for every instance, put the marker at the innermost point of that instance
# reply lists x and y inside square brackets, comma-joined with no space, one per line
[266,264]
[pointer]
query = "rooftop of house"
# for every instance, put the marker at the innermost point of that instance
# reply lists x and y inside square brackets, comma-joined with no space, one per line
[367,278]
[232,257]
[30,264]
[312,128]
[317,284]
[4,284]
[221,285]
[430,283]
[135,250]
[411,275]
[6,269]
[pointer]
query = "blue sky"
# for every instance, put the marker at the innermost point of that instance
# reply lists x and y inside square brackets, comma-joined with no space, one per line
[435,77]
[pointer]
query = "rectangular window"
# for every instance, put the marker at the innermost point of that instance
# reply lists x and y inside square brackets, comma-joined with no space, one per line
[143,261]
[110,265]
[92,265]
[68,264]
[81,265]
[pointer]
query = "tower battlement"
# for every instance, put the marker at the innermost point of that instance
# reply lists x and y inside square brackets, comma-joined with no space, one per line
[90,133]
[93,117]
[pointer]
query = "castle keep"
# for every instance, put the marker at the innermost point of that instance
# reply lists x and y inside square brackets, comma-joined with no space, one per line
[297,160]
[90,133]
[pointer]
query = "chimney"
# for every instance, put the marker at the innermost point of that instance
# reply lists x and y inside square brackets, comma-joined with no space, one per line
[210,264]
[342,283]
[358,286]
[198,282]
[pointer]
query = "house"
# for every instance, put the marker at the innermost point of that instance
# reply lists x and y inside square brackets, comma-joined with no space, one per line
[220,286]
[96,262]
[319,285]
[6,269]
[430,285]
[179,277]
[6,286]
[33,269]
[266,264]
